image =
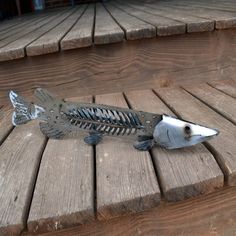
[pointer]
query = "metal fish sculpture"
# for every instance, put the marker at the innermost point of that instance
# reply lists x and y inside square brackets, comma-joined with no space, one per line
[59,118]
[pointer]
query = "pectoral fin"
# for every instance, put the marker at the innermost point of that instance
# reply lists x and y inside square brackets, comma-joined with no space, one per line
[144,145]
[93,138]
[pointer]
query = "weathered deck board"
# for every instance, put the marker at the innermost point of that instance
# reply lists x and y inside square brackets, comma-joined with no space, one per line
[133,27]
[223,19]
[228,87]
[183,173]
[106,29]
[49,42]
[194,24]
[64,192]
[20,157]
[223,146]
[126,181]
[81,34]
[164,26]
[220,102]
[5,123]
[16,49]
[31,26]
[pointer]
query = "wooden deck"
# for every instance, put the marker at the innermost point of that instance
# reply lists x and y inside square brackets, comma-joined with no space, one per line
[49,185]
[110,22]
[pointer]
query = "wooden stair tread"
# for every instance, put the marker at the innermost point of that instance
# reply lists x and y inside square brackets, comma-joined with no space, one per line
[63,29]
[125,180]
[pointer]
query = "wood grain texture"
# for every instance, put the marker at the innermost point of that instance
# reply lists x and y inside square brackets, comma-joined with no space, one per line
[159,62]
[164,26]
[212,214]
[133,27]
[228,87]
[106,29]
[223,19]
[49,42]
[193,24]
[126,180]
[64,192]
[183,173]
[5,123]
[20,157]
[223,146]
[16,49]
[222,103]
[81,34]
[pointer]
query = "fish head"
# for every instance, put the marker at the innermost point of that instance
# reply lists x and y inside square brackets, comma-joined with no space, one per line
[172,133]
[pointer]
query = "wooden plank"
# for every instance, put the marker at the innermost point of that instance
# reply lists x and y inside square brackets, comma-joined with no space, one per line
[223,19]
[126,181]
[64,192]
[106,29]
[16,49]
[227,87]
[194,24]
[20,157]
[164,26]
[217,100]
[223,146]
[81,33]
[133,27]
[5,123]
[140,64]
[183,173]
[25,30]
[49,42]
[209,214]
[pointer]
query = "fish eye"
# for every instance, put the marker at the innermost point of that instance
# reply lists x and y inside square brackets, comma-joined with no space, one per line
[187,129]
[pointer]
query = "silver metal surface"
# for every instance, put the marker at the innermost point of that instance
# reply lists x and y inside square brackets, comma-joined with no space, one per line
[59,118]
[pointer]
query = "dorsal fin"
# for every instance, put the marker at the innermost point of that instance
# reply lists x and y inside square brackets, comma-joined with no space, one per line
[43,96]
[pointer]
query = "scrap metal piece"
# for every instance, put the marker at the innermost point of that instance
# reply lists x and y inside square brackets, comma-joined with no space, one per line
[59,118]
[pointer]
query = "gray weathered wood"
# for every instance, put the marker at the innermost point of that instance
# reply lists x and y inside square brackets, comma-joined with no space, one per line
[106,29]
[194,24]
[219,101]
[223,19]
[81,33]
[183,173]
[134,28]
[223,146]
[49,42]
[227,87]
[126,181]
[16,49]
[64,192]
[20,156]
[5,123]
[164,26]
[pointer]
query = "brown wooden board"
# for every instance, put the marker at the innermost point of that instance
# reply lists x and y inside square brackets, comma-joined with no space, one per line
[126,180]
[16,49]
[5,123]
[223,146]
[194,24]
[133,27]
[223,19]
[81,33]
[20,155]
[220,102]
[64,192]
[164,26]
[183,173]
[106,29]
[157,62]
[49,42]
[228,87]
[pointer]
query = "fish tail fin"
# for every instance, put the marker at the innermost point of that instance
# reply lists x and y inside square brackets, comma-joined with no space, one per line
[23,109]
